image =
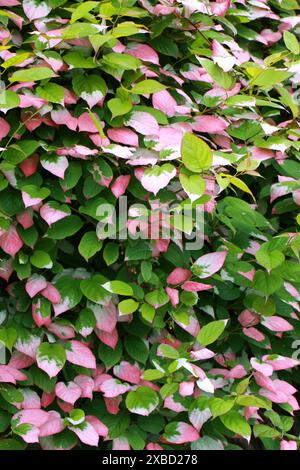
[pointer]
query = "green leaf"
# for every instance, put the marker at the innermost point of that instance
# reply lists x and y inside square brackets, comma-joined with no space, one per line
[51,92]
[290,271]
[12,444]
[31,75]
[152,374]
[65,228]
[291,42]
[118,287]
[79,30]
[266,283]
[119,107]
[142,401]
[10,393]
[62,441]
[220,407]
[194,185]
[136,348]
[211,332]
[125,29]
[166,46]
[263,306]
[8,336]
[157,298]
[168,389]
[77,60]
[269,259]
[241,185]
[236,423]
[42,380]
[135,439]
[36,192]
[9,99]
[86,86]
[92,290]
[127,306]
[207,443]
[53,355]
[264,431]
[109,356]
[224,79]
[196,154]
[41,259]
[82,10]
[89,245]
[98,40]
[76,416]
[167,351]
[147,86]
[251,400]
[154,425]
[68,288]
[242,386]
[86,322]
[147,312]
[287,99]
[110,253]
[15,60]
[267,77]
[122,61]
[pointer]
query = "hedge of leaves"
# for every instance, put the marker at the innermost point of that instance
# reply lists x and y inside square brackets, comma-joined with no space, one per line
[132,342]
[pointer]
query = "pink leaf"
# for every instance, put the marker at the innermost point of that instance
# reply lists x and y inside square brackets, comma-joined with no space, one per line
[112,388]
[143,123]
[178,275]
[221,56]
[108,338]
[35,284]
[209,264]
[51,293]
[78,353]
[34,10]
[143,52]
[118,188]
[277,324]
[173,295]
[288,445]
[4,128]
[123,136]
[54,425]
[51,215]
[85,123]
[281,362]
[106,317]
[63,117]
[211,124]
[86,384]
[184,433]
[127,372]
[262,367]
[254,333]
[192,325]
[29,166]
[10,241]
[99,427]
[35,417]
[69,392]
[57,166]
[191,286]
[165,102]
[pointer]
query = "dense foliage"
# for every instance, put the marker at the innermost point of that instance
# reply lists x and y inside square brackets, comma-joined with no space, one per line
[118,337]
